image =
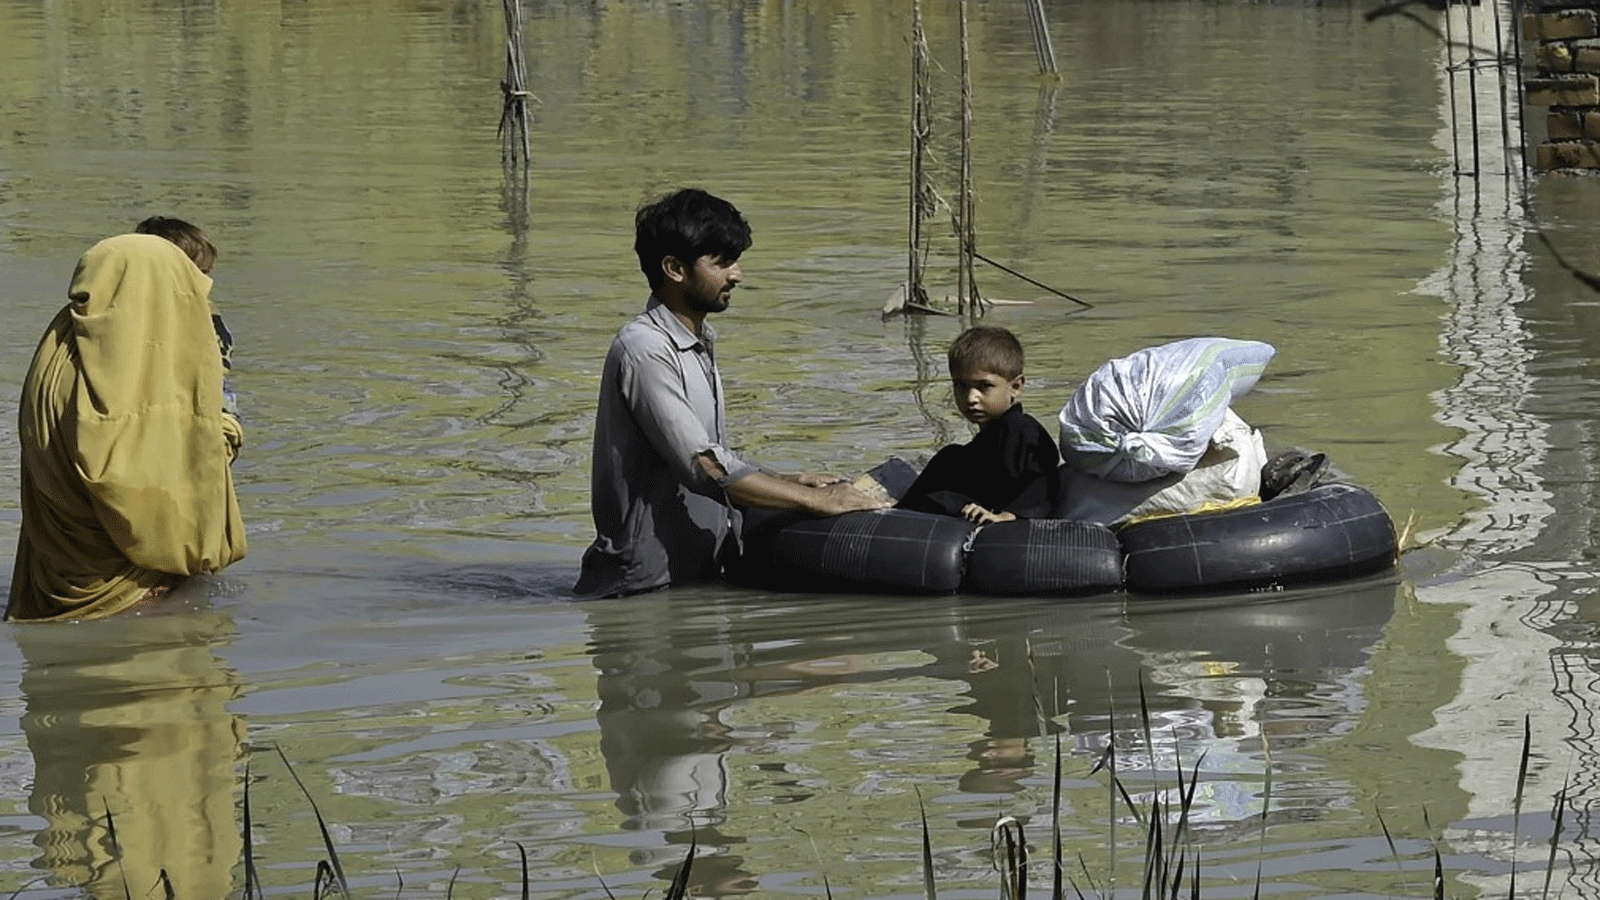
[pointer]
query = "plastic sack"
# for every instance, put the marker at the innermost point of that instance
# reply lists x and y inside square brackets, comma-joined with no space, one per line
[1227,475]
[1152,413]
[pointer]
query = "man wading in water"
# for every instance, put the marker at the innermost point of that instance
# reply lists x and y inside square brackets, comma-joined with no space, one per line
[664,488]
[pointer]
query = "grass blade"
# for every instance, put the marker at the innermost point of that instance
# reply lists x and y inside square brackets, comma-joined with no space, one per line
[1152,850]
[327,838]
[1012,863]
[1127,800]
[1058,868]
[324,880]
[679,888]
[1516,801]
[1555,836]
[927,852]
[450,888]
[1266,806]
[1083,866]
[1438,863]
[1194,880]
[1394,852]
[1112,788]
[116,850]
[25,885]
[1180,832]
[592,862]
[1149,738]
[827,889]
[523,852]
[252,878]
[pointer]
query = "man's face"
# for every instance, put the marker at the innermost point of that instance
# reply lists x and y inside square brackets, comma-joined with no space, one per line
[709,283]
[984,396]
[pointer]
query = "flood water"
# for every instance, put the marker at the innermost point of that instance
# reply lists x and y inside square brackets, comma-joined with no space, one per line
[418,352]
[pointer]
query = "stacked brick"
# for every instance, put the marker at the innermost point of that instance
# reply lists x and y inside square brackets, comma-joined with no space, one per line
[1564,36]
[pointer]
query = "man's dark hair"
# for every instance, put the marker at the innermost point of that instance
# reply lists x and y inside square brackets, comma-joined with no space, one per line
[986,348]
[687,224]
[189,238]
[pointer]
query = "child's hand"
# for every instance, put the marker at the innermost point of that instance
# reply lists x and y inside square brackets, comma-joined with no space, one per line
[812,479]
[978,515]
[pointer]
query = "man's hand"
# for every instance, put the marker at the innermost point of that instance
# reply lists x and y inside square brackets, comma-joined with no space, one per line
[842,497]
[977,514]
[812,479]
[764,491]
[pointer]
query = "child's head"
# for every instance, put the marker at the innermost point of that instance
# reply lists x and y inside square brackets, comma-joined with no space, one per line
[189,238]
[985,372]
[687,225]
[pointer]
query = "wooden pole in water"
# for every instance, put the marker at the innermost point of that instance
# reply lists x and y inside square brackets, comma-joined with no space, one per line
[916,294]
[966,289]
[1043,48]
[513,131]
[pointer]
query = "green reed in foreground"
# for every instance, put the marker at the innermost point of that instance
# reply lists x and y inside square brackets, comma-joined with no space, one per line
[1171,862]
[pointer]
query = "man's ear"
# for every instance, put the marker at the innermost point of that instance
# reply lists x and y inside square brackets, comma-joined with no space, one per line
[674,269]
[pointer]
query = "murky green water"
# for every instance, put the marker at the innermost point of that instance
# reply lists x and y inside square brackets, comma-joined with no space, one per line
[417,364]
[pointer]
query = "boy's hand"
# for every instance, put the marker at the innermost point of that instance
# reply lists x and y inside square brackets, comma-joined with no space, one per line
[978,515]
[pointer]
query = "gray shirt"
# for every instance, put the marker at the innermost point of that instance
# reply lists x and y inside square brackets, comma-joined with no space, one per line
[659,518]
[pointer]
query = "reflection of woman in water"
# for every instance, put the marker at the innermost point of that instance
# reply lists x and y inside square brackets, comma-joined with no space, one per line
[125,444]
[132,718]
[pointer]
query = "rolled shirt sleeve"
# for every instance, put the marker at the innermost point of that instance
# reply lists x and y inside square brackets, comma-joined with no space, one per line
[671,409]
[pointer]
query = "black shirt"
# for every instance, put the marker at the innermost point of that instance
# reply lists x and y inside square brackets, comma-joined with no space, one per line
[1010,465]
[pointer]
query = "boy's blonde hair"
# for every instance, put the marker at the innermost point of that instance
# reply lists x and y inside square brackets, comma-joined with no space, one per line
[987,348]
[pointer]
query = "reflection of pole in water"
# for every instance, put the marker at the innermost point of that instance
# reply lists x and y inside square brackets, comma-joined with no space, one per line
[929,374]
[1044,129]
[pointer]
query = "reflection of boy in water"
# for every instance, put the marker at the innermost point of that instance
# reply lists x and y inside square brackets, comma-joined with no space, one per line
[1010,469]
[1003,691]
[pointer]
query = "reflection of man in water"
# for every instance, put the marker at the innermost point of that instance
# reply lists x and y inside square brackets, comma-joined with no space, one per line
[664,745]
[131,716]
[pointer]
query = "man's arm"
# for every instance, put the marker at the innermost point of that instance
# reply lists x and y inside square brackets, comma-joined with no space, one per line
[767,491]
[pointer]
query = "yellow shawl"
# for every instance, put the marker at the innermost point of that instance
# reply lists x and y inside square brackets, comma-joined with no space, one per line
[125,447]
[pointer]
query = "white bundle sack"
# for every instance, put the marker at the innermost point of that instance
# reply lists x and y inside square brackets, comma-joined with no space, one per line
[1152,413]
[1228,475]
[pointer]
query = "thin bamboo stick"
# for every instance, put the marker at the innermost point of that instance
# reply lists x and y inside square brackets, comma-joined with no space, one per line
[966,289]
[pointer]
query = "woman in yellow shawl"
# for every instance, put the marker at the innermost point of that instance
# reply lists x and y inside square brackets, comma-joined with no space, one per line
[126,487]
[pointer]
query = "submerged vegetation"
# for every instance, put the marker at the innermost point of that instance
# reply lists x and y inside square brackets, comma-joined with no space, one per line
[1170,860]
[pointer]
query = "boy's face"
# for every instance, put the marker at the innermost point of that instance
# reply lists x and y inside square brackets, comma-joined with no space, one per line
[984,396]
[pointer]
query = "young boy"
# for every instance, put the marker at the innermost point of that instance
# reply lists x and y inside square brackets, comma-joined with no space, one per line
[1011,468]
